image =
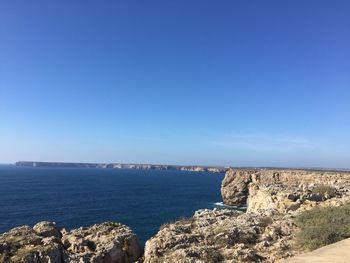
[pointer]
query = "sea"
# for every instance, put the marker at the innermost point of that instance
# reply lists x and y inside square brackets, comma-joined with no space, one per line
[74,197]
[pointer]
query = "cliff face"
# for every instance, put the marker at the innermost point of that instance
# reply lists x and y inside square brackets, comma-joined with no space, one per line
[282,189]
[235,187]
[265,233]
[45,243]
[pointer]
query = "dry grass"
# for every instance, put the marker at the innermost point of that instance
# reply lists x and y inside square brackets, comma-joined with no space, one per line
[322,226]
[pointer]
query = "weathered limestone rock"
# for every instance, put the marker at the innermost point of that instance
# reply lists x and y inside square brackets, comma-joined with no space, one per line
[284,190]
[234,187]
[107,242]
[44,243]
[265,233]
[23,244]
[47,229]
[223,236]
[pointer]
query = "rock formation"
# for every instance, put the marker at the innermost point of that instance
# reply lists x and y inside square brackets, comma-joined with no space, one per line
[45,243]
[234,188]
[223,236]
[107,242]
[280,189]
[265,233]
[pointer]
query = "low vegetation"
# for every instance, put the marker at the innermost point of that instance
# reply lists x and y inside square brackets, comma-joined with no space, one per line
[325,191]
[322,226]
[179,222]
[113,224]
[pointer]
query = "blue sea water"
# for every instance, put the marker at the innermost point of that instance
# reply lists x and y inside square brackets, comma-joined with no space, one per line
[74,197]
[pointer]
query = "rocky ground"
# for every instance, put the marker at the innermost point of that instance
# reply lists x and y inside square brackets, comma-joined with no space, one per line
[45,243]
[223,236]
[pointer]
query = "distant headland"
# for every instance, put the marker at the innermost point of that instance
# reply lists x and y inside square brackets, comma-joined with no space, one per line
[193,168]
[163,167]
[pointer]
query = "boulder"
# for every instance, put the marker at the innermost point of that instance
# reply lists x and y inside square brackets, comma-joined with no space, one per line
[108,242]
[47,229]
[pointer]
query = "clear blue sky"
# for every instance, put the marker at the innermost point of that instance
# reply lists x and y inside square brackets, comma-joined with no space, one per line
[252,83]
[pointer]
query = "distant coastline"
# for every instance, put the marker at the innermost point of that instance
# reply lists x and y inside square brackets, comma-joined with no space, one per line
[193,168]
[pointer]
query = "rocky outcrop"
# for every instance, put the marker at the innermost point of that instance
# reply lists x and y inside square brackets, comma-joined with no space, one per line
[290,198]
[45,243]
[281,189]
[265,233]
[47,229]
[234,188]
[24,244]
[223,236]
[107,242]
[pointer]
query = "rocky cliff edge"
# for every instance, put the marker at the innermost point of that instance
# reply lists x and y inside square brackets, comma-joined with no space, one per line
[44,243]
[283,190]
[265,233]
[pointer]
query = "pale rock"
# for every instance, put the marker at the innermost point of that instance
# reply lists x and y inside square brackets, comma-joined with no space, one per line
[44,243]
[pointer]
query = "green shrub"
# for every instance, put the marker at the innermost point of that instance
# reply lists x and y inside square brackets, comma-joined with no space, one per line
[322,226]
[325,190]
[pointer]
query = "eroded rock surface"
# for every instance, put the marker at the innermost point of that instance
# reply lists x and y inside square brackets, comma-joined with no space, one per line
[265,233]
[292,198]
[235,187]
[107,242]
[45,243]
[24,244]
[281,189]
[223,236]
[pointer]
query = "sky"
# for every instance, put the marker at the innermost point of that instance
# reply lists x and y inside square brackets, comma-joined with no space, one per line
[232,83]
